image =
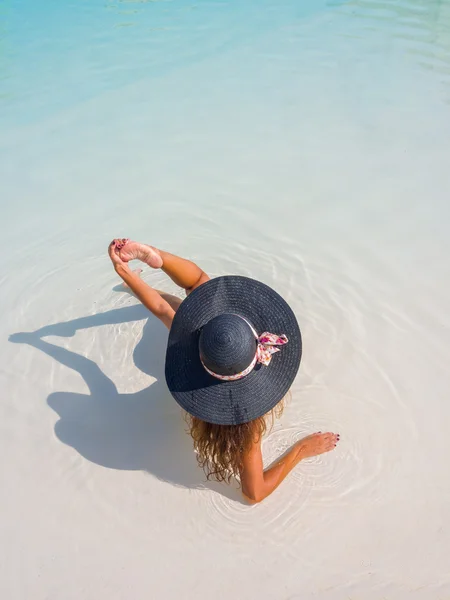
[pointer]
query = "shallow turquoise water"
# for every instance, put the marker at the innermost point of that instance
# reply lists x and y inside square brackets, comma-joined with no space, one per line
[304,144]
[57,54]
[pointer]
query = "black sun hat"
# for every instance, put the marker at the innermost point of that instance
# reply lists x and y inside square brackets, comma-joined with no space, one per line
[234,350]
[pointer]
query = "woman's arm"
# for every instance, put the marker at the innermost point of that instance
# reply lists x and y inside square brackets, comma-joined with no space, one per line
[149,297]
[257,484]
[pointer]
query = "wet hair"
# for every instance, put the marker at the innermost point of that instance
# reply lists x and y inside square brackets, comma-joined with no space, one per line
[220,448]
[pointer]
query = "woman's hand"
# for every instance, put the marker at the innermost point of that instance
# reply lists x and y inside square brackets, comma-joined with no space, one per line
[317,443]
[114,253]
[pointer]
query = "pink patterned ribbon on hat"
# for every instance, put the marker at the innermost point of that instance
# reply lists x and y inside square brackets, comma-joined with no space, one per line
[267,343]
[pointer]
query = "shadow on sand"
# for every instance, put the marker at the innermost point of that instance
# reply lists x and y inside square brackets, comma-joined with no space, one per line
[139,431]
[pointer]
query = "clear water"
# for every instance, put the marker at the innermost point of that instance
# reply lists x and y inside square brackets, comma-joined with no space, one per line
[304,144]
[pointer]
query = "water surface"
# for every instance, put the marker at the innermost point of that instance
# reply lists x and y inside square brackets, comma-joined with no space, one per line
[304,144]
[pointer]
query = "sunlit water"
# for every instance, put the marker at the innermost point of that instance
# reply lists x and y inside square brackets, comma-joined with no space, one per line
[302,143]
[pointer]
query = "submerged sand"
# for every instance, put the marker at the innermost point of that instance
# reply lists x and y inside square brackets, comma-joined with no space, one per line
[316,159]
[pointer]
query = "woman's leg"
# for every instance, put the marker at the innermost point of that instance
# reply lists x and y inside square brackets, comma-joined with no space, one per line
[183,272]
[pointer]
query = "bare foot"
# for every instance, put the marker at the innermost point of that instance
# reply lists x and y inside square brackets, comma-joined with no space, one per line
[138,273]
[129,250]
[317,443]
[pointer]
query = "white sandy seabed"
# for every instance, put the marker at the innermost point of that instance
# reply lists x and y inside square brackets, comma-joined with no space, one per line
[327,177]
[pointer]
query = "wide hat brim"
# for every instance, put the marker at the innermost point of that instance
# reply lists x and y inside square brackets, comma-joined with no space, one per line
[231,402]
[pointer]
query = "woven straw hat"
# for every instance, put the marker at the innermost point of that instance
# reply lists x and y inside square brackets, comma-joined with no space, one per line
[219,365]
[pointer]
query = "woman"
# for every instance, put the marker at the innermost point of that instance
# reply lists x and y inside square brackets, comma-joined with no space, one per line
[234,350]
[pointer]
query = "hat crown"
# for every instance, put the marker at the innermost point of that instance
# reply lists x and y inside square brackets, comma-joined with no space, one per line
[227,344]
